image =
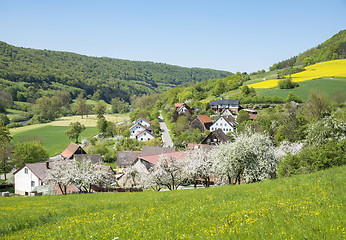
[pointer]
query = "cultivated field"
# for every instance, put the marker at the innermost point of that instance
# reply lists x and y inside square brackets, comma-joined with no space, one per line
[52,134]
[300,207]
[330,69]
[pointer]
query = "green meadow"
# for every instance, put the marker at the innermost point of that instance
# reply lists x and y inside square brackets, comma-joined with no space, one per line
[300,207]
[53,138]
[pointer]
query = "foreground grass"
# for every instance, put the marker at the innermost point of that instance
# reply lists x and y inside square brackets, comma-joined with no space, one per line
[301,207]
[53,138]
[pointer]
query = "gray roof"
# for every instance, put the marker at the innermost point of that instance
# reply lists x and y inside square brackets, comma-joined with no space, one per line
[224,102]
[94,158]
[39,169]
[127,157]
[230,119]
[219,134]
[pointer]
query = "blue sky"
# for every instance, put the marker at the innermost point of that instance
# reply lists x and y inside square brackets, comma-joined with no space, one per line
[228,35]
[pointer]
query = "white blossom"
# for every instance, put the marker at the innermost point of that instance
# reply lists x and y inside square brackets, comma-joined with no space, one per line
[287,148]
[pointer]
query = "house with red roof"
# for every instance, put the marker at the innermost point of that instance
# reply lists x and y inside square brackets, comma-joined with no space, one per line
[71,150]
[150,160]
[141,131]
[202,122]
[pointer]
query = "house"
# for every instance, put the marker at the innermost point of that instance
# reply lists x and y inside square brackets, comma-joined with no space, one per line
[227,112]
[137,129]
[145,135]
[215,137]
[202,122]
[32,175]
[143,122]
[127,158]
[72,149]
[221,104]
[182,108]
[225,123]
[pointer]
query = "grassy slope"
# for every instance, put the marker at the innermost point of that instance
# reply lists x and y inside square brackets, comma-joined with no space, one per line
[52,138]
[52,134]
[330,86]
[305,206]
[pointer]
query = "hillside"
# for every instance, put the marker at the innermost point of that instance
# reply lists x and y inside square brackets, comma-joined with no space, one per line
[300,207]
[34,73]
[333,48]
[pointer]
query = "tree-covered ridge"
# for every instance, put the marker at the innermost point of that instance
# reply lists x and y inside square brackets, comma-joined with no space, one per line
[104,78]
[332,49]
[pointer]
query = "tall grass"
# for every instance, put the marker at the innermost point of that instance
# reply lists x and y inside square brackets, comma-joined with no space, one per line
[300,207]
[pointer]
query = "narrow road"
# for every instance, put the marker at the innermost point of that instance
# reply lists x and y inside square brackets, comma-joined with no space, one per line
[166,138]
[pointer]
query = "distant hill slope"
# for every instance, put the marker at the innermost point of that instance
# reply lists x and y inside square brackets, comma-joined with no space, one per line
[332,49]
[47,71]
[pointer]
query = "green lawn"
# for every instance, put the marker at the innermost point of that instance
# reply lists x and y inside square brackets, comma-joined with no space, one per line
[53,138]
[330,86]
[300,207]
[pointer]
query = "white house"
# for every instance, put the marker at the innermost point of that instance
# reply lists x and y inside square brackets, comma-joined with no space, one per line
[138,128]
[143,122]
[145,135]
[221,104]
[227,112]
[30,176]
[225,123]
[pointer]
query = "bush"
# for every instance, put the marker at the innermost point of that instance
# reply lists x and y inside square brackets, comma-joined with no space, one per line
[287,84]
[14,125]
[313,159]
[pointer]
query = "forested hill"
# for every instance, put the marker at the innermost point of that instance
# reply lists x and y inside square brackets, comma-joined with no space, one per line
[104,78]
[333,48]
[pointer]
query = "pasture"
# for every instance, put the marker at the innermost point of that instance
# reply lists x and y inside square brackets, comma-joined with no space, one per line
[52,135]
[300,207]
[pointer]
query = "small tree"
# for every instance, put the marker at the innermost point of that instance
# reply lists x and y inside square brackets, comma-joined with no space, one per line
[100,108]
[242,116]
[198,165]
[81,105]
[168,172]
[76,128]
[62,174]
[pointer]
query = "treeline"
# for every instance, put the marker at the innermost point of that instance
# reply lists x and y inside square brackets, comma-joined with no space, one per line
[30,74]
[333,48]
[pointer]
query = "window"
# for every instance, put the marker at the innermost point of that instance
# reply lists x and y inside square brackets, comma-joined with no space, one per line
[32,183]
[26,171]
[141,139]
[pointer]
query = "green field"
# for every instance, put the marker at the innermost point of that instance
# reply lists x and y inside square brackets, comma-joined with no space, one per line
[52,138]
[300,207]
[330,86]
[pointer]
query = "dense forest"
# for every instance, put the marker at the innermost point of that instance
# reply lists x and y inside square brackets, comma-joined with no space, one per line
[31,74]
[333,48]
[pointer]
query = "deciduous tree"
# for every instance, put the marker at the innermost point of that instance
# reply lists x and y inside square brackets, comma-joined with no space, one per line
[76,128]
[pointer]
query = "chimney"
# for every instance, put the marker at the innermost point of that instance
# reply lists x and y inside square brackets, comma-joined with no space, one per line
[47,164]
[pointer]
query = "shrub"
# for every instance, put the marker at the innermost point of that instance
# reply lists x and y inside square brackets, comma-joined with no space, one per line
[313,159]
[287,84]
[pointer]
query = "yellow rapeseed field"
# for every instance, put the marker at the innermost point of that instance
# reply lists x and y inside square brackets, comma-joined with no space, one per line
[335,68]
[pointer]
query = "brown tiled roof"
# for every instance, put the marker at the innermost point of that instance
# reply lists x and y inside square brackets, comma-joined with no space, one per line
[71,149]
[204,118]
[178,105]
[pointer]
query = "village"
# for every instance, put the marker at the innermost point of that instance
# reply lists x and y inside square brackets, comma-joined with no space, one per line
[131,165]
